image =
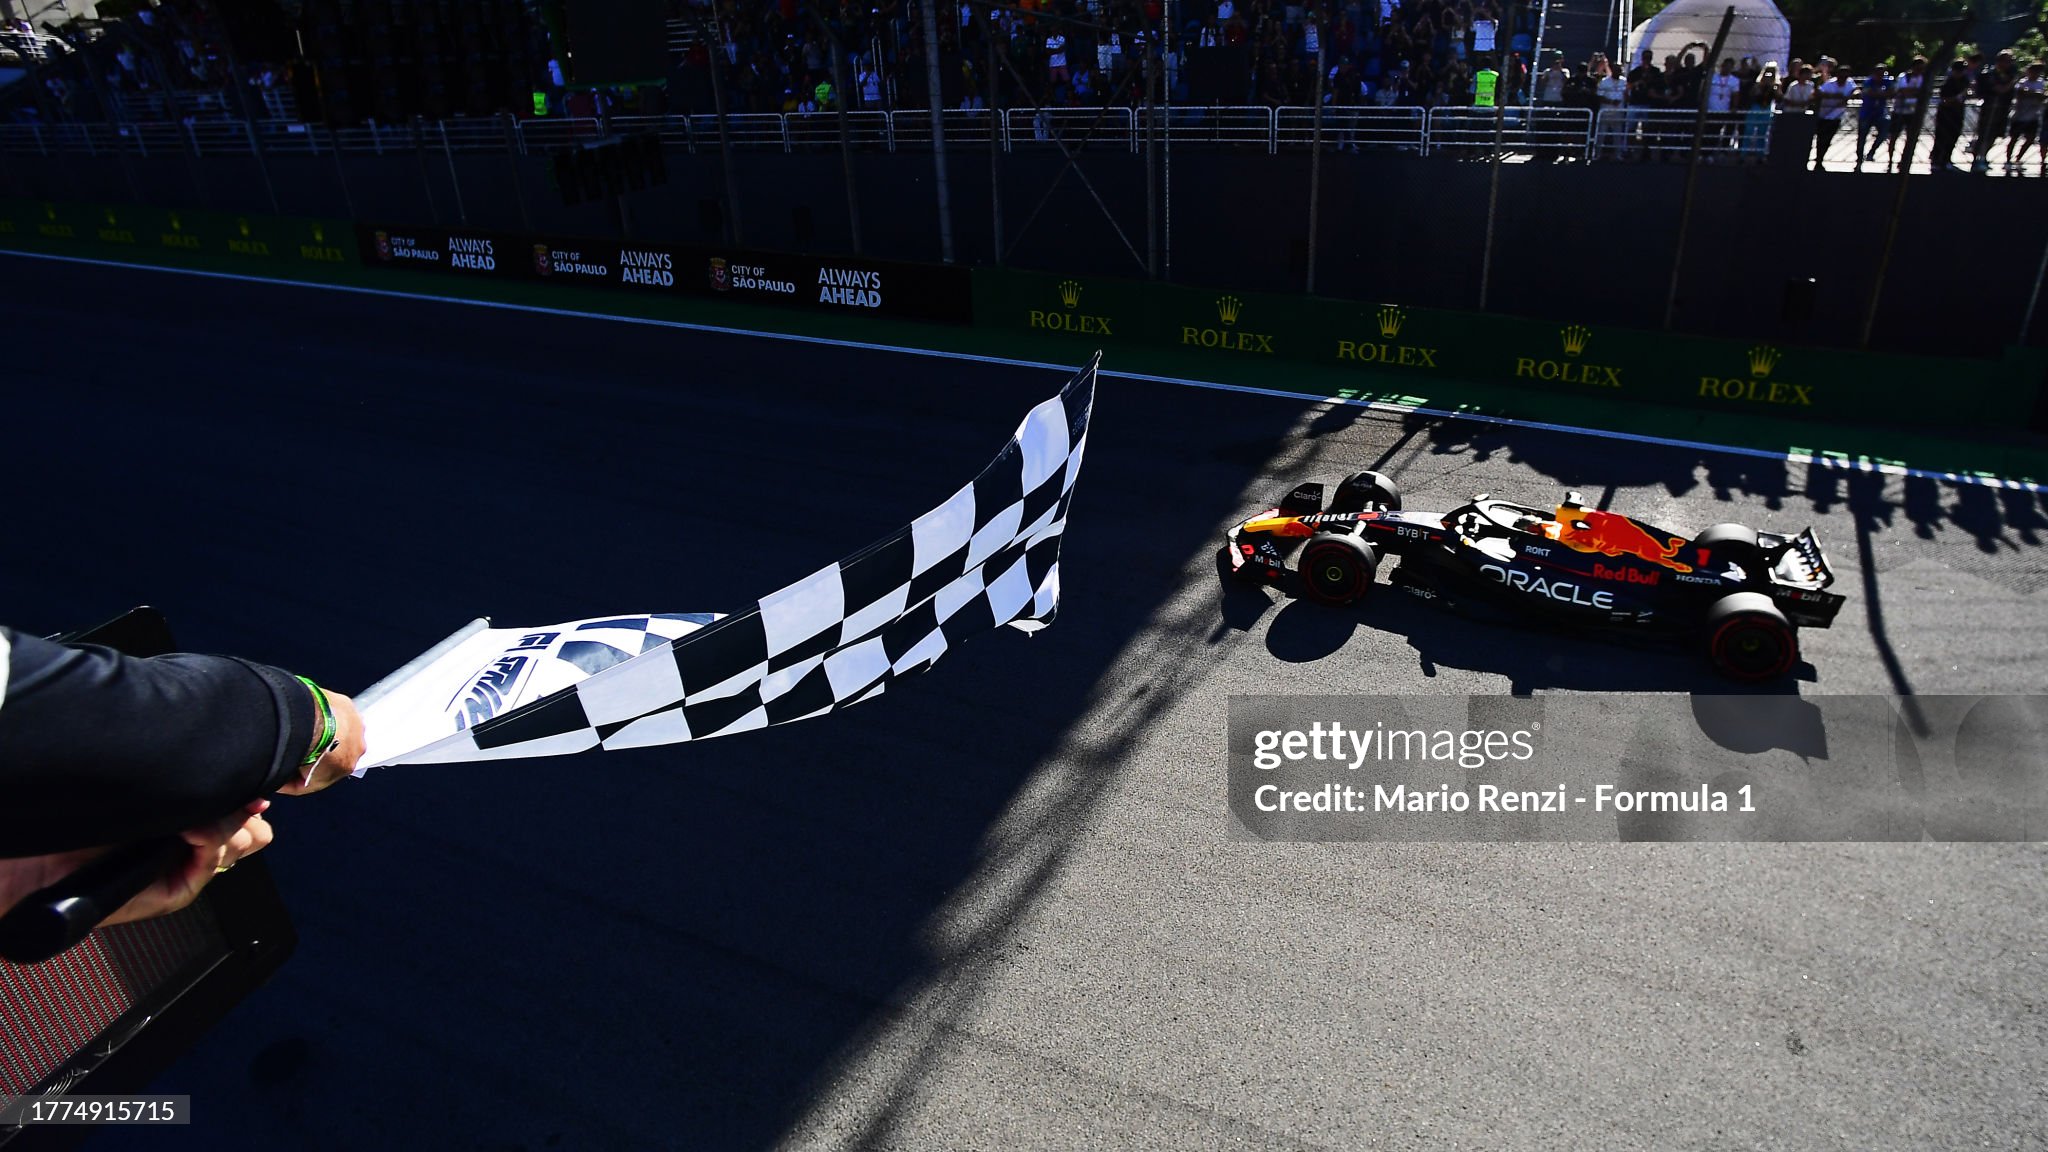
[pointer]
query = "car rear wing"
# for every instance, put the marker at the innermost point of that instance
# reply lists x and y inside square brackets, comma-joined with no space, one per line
[1803,563]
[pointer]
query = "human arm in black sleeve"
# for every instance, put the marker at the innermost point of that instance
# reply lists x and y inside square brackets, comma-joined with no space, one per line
[101,748]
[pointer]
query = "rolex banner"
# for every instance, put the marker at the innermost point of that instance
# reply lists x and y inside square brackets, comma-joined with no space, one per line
[986,557]
[844,285]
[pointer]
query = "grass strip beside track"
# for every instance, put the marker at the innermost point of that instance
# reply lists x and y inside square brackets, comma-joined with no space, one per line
[2021,461]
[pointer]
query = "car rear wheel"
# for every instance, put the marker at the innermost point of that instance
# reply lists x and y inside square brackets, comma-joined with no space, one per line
[1748,639]
[1723,544]
[1362,490]
[1336,570]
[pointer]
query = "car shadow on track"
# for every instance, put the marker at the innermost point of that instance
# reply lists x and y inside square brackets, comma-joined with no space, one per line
[1530,657]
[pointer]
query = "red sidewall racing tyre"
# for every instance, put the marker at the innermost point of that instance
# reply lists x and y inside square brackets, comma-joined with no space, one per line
[1336,570]
[1748,639]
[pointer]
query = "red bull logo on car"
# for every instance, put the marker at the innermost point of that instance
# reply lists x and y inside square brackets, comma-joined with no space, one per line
[1592,531]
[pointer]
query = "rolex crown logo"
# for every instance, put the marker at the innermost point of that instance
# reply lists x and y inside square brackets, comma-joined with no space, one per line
[243,225]
[1575,338]
[1762,359]
[1070,293]
[50,211]
[1227,308]
[1391,318]
[177,223]
[319,234]
[110,218]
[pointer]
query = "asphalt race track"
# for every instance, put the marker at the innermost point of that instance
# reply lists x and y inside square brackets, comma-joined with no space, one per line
[999,908]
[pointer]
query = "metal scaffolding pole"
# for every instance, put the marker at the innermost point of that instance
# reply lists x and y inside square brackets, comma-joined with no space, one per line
[995,143]
[1692,170]
[936,98]
[1315,171]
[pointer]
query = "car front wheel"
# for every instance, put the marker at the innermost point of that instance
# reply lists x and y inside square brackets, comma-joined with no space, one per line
[1336,570]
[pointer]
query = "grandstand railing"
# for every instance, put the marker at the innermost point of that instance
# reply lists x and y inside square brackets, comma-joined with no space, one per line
[1346,127]
[1566,132]
[1668,132]
[1042,127]
[963,126]
[1555,131]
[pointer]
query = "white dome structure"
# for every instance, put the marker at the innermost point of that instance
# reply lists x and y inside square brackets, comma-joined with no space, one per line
[1760,31]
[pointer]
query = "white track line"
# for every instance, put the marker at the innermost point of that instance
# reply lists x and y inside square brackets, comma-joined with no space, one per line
[1838,463]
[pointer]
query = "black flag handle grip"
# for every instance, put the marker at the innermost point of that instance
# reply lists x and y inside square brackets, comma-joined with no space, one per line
[47,922]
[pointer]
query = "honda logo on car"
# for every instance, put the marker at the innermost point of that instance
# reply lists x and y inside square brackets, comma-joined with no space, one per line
[1555,589]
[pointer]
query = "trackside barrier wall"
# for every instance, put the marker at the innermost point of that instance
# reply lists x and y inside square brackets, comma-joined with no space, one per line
[261,245]
[1395,342]
[1390,344]
[934,293]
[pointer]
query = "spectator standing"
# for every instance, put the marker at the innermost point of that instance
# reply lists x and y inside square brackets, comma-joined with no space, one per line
[2028,96]
[1995,87]
[1722,92]
[1645,92]
[1761,105]
[1613,115]
[1550,85]
[1799,95]
[1909,101]
[1056,71]
[1485,85]
[1831,103]
[1872,113]
[1948,114]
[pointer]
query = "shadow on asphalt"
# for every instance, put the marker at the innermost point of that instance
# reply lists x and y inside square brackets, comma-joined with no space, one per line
[691,938]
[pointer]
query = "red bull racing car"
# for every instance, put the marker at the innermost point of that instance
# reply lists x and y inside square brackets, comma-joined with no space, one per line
[1741,594]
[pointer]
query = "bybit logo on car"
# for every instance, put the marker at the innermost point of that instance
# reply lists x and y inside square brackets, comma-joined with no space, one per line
[1574,339]
[1389,319]
[1070,320]
[1229,309]
[1758,388]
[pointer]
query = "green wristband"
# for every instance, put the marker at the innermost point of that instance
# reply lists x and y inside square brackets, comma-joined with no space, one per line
[327,733]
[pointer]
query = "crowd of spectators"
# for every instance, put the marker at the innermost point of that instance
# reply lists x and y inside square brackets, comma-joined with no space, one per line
[163,62]
[812,56]
[778,56]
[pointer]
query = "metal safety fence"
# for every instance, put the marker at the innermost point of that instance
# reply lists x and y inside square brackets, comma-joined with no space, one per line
[1252,128]
[1538,130]
[1574,133]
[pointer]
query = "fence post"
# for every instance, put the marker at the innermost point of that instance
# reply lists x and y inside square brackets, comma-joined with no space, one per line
[1151,169]
[1315,169]
[995,150]
[1692,168]
[454,177]
[1940,59]
[1492,206]
[513,151]
[42,149]
[262,164]
[935,97]
[845,134]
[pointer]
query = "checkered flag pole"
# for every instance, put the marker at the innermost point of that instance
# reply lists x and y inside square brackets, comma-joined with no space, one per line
[987,557]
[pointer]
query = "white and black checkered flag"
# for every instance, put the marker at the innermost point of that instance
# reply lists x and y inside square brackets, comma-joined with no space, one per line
[988,556]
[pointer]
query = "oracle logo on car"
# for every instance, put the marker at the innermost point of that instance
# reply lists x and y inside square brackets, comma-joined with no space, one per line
[1557,590]
[1624,575]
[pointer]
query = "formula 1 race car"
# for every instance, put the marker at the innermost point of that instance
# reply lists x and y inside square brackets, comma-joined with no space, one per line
[1741,593]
